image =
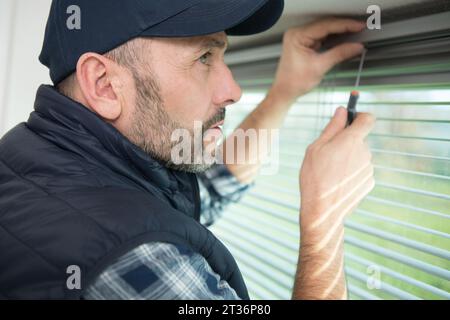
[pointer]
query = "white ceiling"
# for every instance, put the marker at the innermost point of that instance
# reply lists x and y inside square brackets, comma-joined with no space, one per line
[299,12]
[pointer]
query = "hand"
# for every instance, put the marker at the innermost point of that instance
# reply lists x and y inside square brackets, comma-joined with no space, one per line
[336,174]
[301,67]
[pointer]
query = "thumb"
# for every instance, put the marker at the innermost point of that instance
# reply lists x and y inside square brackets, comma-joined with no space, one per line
[336,124]
[362,125]
[339,54]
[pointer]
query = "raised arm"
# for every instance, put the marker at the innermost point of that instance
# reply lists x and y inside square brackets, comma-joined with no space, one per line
[300,69]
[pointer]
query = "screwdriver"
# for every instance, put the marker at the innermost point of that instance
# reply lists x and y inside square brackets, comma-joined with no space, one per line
[354,95]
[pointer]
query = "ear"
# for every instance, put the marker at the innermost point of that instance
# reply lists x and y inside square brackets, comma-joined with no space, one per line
[98,84]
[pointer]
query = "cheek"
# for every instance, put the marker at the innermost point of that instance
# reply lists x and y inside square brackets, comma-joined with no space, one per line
[186,102]
[128,99]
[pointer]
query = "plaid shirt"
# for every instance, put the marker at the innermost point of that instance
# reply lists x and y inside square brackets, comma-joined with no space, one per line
[161,270]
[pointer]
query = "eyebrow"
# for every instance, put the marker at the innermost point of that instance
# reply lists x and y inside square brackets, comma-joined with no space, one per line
[209,43]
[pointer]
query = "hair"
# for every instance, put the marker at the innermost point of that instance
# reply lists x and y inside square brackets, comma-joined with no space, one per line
[128,55]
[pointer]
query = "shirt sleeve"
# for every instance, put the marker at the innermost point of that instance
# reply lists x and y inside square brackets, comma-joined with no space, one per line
[160,271]
[218,188]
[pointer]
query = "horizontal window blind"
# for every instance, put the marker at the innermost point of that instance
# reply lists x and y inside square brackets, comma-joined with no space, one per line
[400,233]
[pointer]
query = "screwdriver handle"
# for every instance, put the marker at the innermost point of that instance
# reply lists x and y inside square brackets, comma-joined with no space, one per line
[351,107]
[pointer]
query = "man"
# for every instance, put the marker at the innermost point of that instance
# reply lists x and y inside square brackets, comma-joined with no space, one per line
[93,205]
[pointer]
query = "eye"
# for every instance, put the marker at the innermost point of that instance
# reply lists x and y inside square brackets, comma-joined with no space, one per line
[204,59]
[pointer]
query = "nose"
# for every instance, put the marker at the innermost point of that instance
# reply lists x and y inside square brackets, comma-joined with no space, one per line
[228,91]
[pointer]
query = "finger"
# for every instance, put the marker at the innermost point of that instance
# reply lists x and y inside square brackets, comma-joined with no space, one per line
[321,29]
[336,124]
[338,54]
[362,125]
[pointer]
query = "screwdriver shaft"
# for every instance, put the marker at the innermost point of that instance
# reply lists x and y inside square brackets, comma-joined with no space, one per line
[361,63]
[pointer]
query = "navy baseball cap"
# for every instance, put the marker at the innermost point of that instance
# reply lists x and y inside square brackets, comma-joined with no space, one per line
[75,27]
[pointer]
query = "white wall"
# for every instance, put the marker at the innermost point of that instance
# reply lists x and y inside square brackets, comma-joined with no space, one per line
[22,25]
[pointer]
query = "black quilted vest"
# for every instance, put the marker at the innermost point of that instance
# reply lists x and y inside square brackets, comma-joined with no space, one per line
[74,191]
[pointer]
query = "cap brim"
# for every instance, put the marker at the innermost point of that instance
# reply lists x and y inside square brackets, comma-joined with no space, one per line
[235,17]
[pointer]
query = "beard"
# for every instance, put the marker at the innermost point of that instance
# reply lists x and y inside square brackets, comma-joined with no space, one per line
[151,127]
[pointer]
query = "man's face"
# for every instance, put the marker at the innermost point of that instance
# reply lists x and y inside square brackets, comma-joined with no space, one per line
[185,82]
